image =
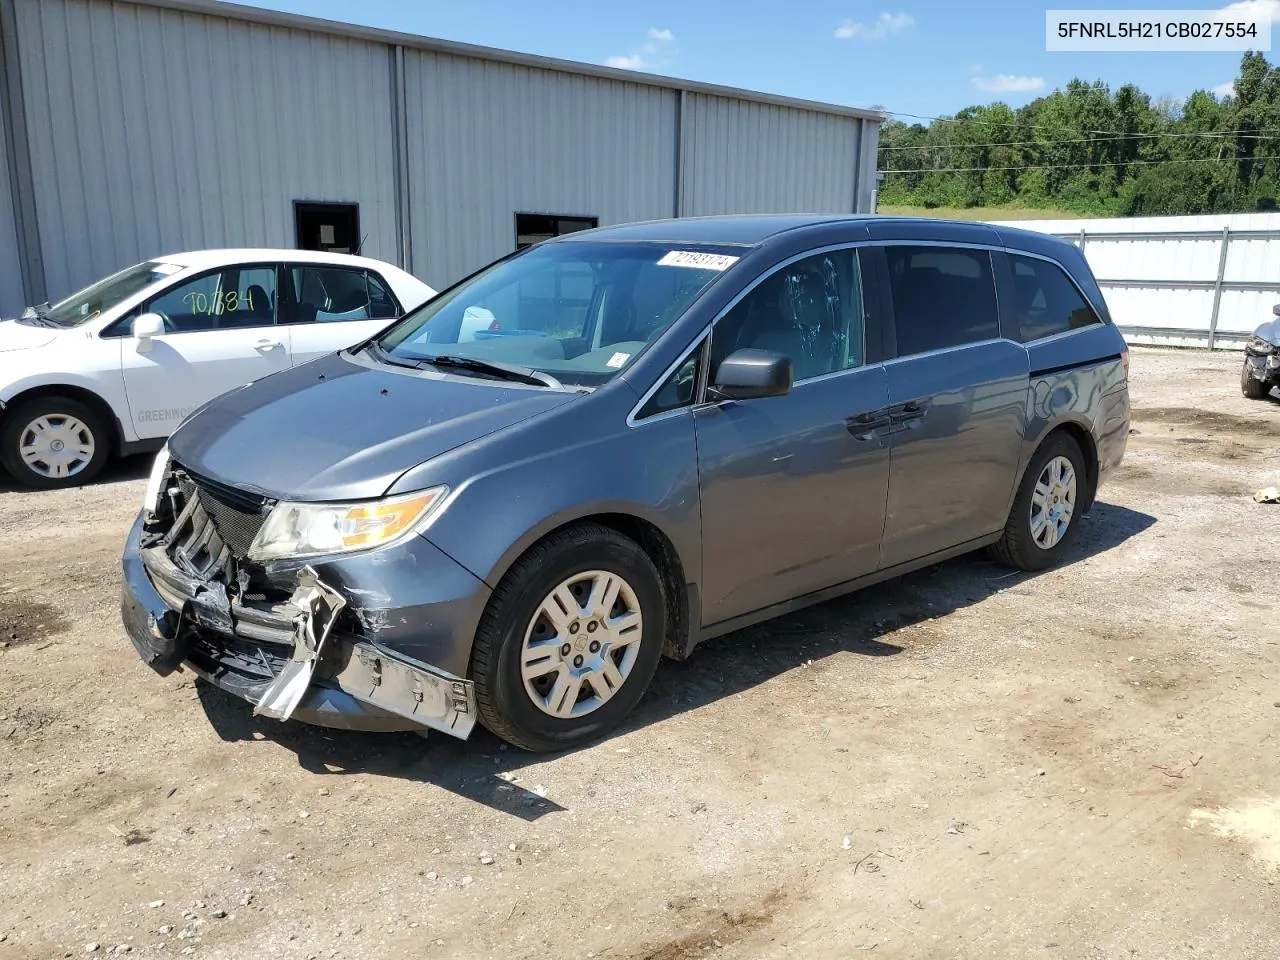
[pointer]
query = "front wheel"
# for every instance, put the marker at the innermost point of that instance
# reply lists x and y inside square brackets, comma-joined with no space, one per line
[1045,512]
[53,442]
[1251,386]
[570,639]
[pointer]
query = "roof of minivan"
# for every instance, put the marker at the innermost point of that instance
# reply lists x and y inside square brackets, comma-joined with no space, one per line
[752,229]
[212,258]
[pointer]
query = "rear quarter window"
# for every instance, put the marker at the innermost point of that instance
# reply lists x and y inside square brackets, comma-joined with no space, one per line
[1046,301]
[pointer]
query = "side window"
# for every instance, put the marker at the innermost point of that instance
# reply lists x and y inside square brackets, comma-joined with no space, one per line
[337,294]
[942,297]
[225,299]
[382,303]
[677,389]
[810,310]
[1045,301]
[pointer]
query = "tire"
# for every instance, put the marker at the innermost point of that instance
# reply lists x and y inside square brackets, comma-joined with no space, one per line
[1251,386]
[81,424]
[1023,545]
[515,636]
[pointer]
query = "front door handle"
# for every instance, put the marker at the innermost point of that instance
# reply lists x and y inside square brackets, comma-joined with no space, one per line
[865,426]
[262,346]
[911,410]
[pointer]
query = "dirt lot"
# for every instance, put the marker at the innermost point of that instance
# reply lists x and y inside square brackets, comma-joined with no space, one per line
[966,763]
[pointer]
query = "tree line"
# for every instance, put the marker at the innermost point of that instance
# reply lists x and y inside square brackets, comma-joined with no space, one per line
[1089,150]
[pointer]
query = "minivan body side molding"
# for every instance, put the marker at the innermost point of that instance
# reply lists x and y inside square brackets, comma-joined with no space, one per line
[840,589]
[1077,365]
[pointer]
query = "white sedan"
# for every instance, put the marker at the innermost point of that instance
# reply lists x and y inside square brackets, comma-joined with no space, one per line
[116,367]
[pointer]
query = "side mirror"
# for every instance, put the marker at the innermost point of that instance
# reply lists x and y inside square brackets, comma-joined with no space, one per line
[146,326]
[749,374]
[1276,310]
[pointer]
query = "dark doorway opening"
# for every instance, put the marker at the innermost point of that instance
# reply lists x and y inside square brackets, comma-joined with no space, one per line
[533,228]
[331,227]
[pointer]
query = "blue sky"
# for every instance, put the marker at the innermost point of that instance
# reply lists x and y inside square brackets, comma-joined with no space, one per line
[915,56]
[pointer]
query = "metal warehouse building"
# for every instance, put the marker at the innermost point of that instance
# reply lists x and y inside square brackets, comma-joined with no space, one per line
[133,128]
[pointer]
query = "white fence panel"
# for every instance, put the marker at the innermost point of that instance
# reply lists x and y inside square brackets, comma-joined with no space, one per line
[1189,281]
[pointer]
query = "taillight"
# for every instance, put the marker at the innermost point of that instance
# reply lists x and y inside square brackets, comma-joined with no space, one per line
[497,326]
[1124,359]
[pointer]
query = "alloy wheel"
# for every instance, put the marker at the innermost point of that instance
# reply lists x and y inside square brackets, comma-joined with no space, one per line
[581,644]
[1053,502]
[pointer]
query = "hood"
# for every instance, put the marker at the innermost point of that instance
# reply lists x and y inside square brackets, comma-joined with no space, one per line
[1269,331]
[334,429]
[23,336]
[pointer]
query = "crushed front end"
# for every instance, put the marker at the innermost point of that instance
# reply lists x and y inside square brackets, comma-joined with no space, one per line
[1262,355]
[369,641]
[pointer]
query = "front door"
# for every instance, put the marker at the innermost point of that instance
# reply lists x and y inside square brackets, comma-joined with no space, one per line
[220,333]
[793,488]
[957,402]
[330,308]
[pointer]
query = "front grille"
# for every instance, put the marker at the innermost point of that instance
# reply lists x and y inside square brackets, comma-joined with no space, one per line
[248,661]
[236,526]
[211,522]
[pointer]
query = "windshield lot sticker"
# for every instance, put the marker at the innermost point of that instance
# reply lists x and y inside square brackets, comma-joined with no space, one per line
[699,261]
[618,359]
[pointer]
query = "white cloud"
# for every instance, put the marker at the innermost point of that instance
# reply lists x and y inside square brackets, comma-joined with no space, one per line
[1008,83]
[1227,89]
[1259,9]
[884,25]
[635,61]
[642,59]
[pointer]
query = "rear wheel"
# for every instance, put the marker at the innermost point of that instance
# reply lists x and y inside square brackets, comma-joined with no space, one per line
[1251,386]
[570,640]
[1045,512]
[53,442]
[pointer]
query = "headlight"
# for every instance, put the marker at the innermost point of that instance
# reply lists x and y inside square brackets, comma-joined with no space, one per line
[1258,345]
[315,529]
[151,499]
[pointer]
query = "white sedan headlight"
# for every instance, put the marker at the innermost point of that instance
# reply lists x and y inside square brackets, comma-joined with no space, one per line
[317,529]
[151,499]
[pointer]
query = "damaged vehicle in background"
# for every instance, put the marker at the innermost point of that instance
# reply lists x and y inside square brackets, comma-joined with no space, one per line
[1261,371]
[690,426]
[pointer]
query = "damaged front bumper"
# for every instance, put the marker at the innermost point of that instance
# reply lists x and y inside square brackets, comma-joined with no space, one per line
[1263,367]
[287,659]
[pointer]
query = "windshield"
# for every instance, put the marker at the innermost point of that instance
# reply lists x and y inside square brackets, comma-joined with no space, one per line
[93,301]
[579,311]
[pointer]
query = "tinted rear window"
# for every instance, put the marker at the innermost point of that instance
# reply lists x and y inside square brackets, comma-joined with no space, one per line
[1045,301]
[942,297]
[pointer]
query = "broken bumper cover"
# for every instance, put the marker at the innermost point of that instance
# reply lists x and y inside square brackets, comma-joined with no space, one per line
[284,658]
[1265,368]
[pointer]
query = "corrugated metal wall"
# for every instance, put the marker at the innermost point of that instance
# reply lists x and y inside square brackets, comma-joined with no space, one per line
[1159,259]
[12,298]
[489,139]
[759,158]
[154,131]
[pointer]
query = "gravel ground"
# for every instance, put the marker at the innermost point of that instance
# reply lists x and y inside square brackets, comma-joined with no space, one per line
[964,763]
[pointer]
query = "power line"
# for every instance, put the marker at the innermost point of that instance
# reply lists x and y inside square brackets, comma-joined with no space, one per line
[1069,166]
[1012,123]
[1041,143]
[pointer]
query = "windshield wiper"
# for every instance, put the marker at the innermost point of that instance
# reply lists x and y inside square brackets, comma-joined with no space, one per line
[503,371]
[382,356]
[37,320]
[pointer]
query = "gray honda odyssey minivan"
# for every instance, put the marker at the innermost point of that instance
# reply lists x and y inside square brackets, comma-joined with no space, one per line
[616,444]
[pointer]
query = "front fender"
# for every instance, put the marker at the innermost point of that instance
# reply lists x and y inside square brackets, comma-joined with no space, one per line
[649,472]
[110,390]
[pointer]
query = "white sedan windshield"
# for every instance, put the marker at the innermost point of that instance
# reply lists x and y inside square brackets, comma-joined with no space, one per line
[579,311]
[95,300]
